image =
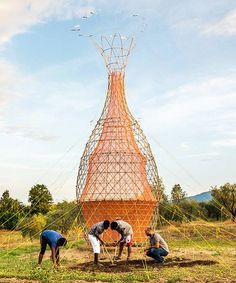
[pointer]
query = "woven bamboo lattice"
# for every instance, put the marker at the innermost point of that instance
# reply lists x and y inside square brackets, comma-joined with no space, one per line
[117,177]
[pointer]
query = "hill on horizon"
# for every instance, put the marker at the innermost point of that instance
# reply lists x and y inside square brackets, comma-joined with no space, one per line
[202,197]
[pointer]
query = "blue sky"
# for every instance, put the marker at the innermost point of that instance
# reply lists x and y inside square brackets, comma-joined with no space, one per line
[180,84]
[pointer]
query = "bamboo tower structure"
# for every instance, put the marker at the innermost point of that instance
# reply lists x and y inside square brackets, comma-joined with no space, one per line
[117,176]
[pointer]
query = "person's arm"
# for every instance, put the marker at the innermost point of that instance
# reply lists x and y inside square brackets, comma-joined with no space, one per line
[57,256]
[96,234]
[53,249]
[101,241]
[122,236]
[156,244]
[147,245]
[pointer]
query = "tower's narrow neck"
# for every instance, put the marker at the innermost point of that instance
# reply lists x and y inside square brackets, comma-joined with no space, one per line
[117,105]
[116,81]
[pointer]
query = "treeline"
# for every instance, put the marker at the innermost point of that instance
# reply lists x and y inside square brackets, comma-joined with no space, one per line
[42,213]
[177,207]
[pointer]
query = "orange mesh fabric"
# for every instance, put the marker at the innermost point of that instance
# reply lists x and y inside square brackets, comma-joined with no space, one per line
[116,183]
[117,169]
[137,213]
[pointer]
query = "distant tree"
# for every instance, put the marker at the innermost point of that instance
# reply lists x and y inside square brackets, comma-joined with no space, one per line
[190,210]
[226,196]
[213,211]
[63,217]
[163,199]
[177,194]
[10,211]
[166,211]
[163,208]
[162,193]
[32,226]
[27,210]
[40,199]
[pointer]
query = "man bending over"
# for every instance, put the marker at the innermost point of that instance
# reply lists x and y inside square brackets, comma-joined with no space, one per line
[94,237]
[126,232]
[54,240]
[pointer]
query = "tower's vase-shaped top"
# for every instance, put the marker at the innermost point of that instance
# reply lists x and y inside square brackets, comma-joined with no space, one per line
[116,167]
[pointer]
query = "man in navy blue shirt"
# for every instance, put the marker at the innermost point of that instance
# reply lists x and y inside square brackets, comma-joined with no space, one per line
[54,240]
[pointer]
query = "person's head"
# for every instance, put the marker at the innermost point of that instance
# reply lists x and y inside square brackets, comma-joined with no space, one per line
[148,231]
[106,224]
[114,225]
[61,242]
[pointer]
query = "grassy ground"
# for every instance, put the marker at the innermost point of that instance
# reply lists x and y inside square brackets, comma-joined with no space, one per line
[200,252]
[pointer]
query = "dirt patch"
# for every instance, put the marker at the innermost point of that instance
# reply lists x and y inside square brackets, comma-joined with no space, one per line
[138,264]
[191,263]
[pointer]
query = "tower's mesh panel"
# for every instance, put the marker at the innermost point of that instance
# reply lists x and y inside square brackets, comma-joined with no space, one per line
[118,176]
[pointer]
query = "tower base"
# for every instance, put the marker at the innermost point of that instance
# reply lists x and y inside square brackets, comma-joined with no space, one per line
[137,213]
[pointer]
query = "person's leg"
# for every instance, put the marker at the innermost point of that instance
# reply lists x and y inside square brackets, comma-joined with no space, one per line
[57,256]
[40,258]
[150,253]
[96,247]
[96,258]
[128,243]
[129,251]
[43,245]
[121,246]
[158,254]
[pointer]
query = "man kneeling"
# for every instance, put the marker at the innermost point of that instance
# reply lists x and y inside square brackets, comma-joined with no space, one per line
[158,247]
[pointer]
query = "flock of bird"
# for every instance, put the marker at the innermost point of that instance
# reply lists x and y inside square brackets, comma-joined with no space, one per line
[77,28]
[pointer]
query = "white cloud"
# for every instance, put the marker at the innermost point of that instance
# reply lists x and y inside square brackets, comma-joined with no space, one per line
[206,155]
[225,26]
[184,145]
[18,16]
[231,142]
[31,104]
[30,132]
[10,80]
[200,102]
[188,24]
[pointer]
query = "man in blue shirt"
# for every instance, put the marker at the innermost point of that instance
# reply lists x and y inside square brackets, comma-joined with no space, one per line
[54,240]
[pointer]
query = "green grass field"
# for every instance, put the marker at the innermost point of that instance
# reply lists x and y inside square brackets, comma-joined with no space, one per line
[199,252]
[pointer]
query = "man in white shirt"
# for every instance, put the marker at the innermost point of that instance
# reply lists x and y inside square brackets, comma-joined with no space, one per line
[158,247]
